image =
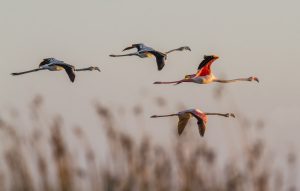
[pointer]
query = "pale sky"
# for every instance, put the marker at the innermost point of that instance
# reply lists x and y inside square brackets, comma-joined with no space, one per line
[254,37]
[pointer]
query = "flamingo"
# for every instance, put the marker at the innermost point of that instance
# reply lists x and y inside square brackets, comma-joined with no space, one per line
[201,117]
[205,76]
[147,52]
[53,64]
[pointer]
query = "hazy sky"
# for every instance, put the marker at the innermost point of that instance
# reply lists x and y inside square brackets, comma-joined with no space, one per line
[254,37]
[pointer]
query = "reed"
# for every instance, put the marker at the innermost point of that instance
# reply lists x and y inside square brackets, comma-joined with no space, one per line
[46,160]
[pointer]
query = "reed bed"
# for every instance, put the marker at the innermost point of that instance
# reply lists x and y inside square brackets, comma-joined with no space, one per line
[47,160]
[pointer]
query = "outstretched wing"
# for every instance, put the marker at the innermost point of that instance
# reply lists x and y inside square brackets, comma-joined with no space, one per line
[160,59]
[200,123]
[139,47]
[183,120]
[69,69]
[50,61]
[204,66]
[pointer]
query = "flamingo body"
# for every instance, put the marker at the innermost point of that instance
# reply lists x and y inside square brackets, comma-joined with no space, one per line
[201,117]
[204,74]
[144,51]
[53,64]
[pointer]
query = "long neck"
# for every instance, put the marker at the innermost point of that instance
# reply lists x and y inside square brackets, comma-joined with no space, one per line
[34,70]
[169,115]
[120,55]
[84,69]
[178,49]
[222,114]
[173,50]
[233,80]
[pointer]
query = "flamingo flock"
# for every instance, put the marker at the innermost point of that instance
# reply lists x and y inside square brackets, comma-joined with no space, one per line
[203,75]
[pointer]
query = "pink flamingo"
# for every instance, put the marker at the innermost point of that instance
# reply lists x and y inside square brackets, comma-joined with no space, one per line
[205,76]
[201,117]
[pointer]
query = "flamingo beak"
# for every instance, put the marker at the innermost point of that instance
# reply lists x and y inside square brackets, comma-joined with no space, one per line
[188,48]
[216,57]
[128,48]
[232,115]
[256,79]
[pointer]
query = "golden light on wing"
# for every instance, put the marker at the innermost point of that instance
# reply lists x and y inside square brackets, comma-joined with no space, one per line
[183,119]
[149,55]
[58,68]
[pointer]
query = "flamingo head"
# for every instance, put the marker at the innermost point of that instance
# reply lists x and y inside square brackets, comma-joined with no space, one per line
[184,48]
[91,68]
[253,78]
[230,115]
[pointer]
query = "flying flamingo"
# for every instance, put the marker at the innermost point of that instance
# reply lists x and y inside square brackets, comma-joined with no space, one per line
[201,117]
[205,76]
[53,64]
[147,52]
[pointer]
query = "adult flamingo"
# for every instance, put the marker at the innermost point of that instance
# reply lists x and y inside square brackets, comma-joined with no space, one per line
[205,76]
[201,117]
[53,64]
[144,51]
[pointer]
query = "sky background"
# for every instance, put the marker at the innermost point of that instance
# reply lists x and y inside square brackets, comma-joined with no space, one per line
[260,38]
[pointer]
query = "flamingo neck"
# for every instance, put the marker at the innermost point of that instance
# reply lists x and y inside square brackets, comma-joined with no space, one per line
[222,114]
[230,81]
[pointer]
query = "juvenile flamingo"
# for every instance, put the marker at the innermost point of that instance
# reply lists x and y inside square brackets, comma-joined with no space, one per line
[148,52]
[201,117]
[205,76]
[53,64]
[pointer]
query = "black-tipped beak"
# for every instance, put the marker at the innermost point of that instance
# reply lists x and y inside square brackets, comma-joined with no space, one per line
[128,48]
[256,79]
[188,48]
[232,115]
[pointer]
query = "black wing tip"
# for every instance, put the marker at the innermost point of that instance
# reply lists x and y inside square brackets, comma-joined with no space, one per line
[160,68]
[179,131]
[202,131]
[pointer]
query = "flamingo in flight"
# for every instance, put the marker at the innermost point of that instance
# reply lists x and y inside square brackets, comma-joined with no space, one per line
[147,52]
[205,76]
[201,117]
[53,64]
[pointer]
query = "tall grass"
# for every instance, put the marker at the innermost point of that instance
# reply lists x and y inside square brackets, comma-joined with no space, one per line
[47,160]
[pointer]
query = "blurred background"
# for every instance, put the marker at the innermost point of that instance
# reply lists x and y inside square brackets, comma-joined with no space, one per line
[259,38]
